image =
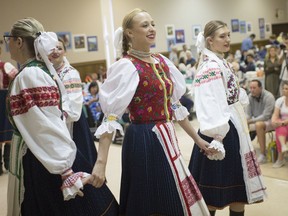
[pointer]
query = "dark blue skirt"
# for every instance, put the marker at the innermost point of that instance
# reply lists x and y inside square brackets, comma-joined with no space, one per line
[147,183]
[42,189]
[220,182]
[6,129]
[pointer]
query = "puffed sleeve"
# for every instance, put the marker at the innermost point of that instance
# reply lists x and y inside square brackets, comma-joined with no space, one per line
[179,85]
[34,102]
[73,87]
[211,101]
[116,94]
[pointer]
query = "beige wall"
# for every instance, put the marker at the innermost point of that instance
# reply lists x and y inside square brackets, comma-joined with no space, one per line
[84,17]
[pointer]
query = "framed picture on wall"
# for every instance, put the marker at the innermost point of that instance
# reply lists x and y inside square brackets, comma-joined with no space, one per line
[268,27]
[261,23]
[235,25]
[79,42]
[67,38]
[242,25]
[170,43]
[180,36]
[249,27]
[196,29]
[170,31]
[92,43]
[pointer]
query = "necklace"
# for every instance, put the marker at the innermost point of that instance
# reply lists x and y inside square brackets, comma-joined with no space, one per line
[26,62]
[139,54]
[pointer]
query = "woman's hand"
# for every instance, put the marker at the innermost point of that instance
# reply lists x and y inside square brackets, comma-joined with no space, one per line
[204,146]
[97,177]
[278,123]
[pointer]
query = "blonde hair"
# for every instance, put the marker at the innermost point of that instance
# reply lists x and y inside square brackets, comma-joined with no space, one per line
[29,29]
[128,24]
[209,31]
[268,56]
[211,27]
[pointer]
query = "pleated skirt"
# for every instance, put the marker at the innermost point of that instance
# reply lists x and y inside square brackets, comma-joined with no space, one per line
[43,196]
[220,182]
[147,183]
[6,129]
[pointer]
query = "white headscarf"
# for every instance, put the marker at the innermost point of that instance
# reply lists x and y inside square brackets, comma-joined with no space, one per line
[118,38]
[200,42]
[44,45]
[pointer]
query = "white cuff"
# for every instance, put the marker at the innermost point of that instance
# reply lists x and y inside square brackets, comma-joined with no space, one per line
[180,112]
[108,126]
[220,155]
[72,185]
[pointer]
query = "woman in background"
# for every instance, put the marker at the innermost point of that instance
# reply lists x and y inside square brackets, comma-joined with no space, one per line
[280,122]
[272,69]
[234,178]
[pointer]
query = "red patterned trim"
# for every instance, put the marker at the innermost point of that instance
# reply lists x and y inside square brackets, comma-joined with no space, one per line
[252,165]
[188,187]
[39,96]
[71,180]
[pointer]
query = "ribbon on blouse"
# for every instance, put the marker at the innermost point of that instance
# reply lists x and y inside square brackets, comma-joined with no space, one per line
[200,42]
[118,38]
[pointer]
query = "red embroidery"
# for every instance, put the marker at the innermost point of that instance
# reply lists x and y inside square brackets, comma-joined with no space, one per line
[39,96]
[71,180]
[191,191]
[252,165]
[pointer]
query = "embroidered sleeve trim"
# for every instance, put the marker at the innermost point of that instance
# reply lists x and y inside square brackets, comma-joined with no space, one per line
[39,96]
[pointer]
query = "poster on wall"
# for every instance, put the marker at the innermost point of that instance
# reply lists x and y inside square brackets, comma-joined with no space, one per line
[242,25]
[170,43]
[235,25]
[249,27]
[268,27]
[262,28]
[79,42]
[92,43]
[67,39]
[180,36]
[170,31]
[196,29]
[261,23]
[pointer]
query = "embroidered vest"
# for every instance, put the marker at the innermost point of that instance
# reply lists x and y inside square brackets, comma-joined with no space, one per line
[151,102]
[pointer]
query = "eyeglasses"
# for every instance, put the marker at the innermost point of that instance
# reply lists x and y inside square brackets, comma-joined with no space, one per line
[7,38]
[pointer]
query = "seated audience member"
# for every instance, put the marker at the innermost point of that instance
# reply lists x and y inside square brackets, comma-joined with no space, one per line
[190,60]
[92,100]
[182,66]
[259,113]
[250,64]
[173,55]
[182,54]
[280,122]
[273,40]
[284,59]
[262,52]
[186,101]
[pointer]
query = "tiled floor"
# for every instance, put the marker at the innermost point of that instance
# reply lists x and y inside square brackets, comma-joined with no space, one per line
[276,181]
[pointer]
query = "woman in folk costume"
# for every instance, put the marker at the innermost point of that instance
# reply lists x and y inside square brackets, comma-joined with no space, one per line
[233,178]
[43,155]
[7,73]
[74,115]
[155,179]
